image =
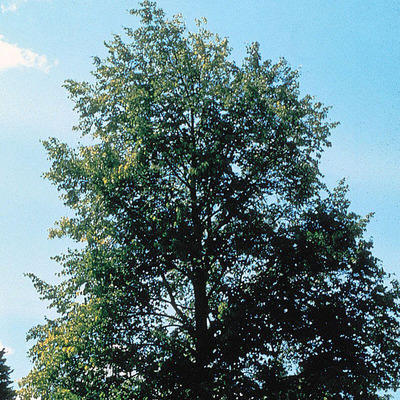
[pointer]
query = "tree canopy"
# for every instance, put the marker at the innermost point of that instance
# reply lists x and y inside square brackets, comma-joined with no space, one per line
[6,390]
[215,263]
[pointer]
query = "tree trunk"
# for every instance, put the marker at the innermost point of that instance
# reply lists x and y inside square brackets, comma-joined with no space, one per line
[202,337]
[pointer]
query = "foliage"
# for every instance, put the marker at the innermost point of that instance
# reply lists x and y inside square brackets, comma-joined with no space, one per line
[6,392]
[215,265]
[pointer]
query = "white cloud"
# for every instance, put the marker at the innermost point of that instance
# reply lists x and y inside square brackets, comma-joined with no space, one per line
[12,56]
[12,6]
[8,350]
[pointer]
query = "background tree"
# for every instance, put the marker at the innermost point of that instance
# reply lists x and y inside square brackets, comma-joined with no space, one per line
[6,391]
[216,263]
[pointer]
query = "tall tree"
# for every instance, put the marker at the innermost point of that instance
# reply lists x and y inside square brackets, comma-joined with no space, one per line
[6,391]
[216,264]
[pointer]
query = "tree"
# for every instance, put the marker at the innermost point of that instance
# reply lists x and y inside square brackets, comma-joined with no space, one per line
[216,264]
[6,392]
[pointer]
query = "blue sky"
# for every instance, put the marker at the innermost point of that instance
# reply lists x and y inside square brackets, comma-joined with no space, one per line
[348,52]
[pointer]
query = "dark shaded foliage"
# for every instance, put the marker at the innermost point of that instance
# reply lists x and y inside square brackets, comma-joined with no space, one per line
[6,390]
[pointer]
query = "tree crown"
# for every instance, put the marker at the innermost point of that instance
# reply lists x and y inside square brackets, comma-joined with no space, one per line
[216,264]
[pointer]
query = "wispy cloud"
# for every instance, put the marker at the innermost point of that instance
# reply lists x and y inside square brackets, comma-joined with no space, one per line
[8,350]
[13,56]
[12,6]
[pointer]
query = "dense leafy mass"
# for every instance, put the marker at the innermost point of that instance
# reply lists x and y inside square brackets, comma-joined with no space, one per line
[215,264]
[6,390]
